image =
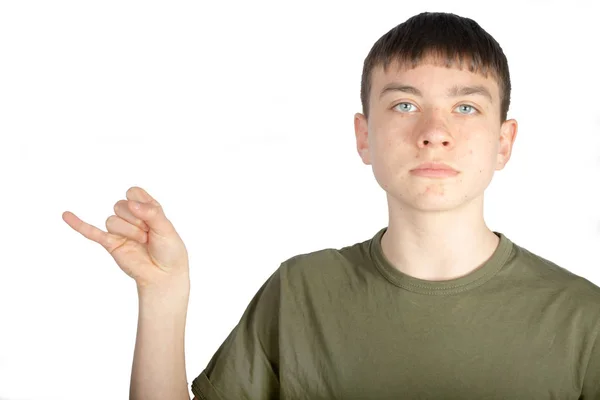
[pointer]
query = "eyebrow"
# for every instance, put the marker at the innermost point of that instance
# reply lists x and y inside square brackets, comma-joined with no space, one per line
[454,91]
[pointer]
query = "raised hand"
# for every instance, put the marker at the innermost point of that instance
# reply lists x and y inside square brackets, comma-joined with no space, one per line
[142,241]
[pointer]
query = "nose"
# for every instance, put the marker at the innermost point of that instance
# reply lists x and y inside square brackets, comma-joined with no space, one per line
[434,132]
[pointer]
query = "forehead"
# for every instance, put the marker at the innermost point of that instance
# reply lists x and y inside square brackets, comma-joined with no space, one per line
[431,76]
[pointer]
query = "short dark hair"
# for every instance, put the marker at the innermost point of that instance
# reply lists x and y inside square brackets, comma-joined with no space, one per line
[445,36]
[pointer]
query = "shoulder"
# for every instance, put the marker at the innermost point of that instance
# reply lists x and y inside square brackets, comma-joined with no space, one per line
[331,265]
[548,274]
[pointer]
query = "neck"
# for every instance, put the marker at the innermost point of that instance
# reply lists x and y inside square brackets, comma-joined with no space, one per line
[438,246]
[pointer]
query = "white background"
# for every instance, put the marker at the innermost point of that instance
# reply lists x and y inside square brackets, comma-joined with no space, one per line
[238,117]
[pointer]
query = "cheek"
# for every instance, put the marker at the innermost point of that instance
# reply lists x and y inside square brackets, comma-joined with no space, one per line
[480,156]
[476,155]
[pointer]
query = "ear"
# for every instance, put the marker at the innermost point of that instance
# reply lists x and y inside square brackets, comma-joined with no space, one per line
[508,134]
[361,131]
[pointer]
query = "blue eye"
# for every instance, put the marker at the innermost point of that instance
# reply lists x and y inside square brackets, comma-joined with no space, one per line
[403,109]
[406,109]
[471,107]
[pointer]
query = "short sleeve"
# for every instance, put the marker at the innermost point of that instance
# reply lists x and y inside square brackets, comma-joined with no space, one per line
[246,365]
[591,382]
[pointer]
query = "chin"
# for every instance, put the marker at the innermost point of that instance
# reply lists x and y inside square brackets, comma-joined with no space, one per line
[432,202]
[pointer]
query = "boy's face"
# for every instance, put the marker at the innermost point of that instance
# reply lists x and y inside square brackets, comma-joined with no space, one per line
[406,129]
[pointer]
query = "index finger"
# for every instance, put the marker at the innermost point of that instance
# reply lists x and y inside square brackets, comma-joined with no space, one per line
[136,193]
[87,230]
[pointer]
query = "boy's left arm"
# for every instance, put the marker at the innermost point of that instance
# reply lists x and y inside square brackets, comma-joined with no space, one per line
[591,381]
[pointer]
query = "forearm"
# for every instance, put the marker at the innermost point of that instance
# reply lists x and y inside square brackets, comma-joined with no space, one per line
[158,370]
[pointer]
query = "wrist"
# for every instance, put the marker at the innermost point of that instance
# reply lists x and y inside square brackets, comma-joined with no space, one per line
[176,289]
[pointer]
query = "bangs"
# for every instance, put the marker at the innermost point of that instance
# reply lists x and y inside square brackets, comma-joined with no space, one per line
[441,58]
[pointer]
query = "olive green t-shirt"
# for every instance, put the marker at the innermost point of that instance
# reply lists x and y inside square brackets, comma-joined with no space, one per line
[345,324]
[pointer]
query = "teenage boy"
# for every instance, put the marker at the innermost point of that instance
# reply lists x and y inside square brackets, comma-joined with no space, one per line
[434,306]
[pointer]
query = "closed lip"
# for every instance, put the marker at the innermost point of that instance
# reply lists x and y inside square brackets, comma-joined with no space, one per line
[436,166]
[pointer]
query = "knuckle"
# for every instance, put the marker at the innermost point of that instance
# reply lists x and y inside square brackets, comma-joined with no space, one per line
[152,211]
[114,242]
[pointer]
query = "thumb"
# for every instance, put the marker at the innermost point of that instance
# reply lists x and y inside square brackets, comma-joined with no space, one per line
[153,215]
